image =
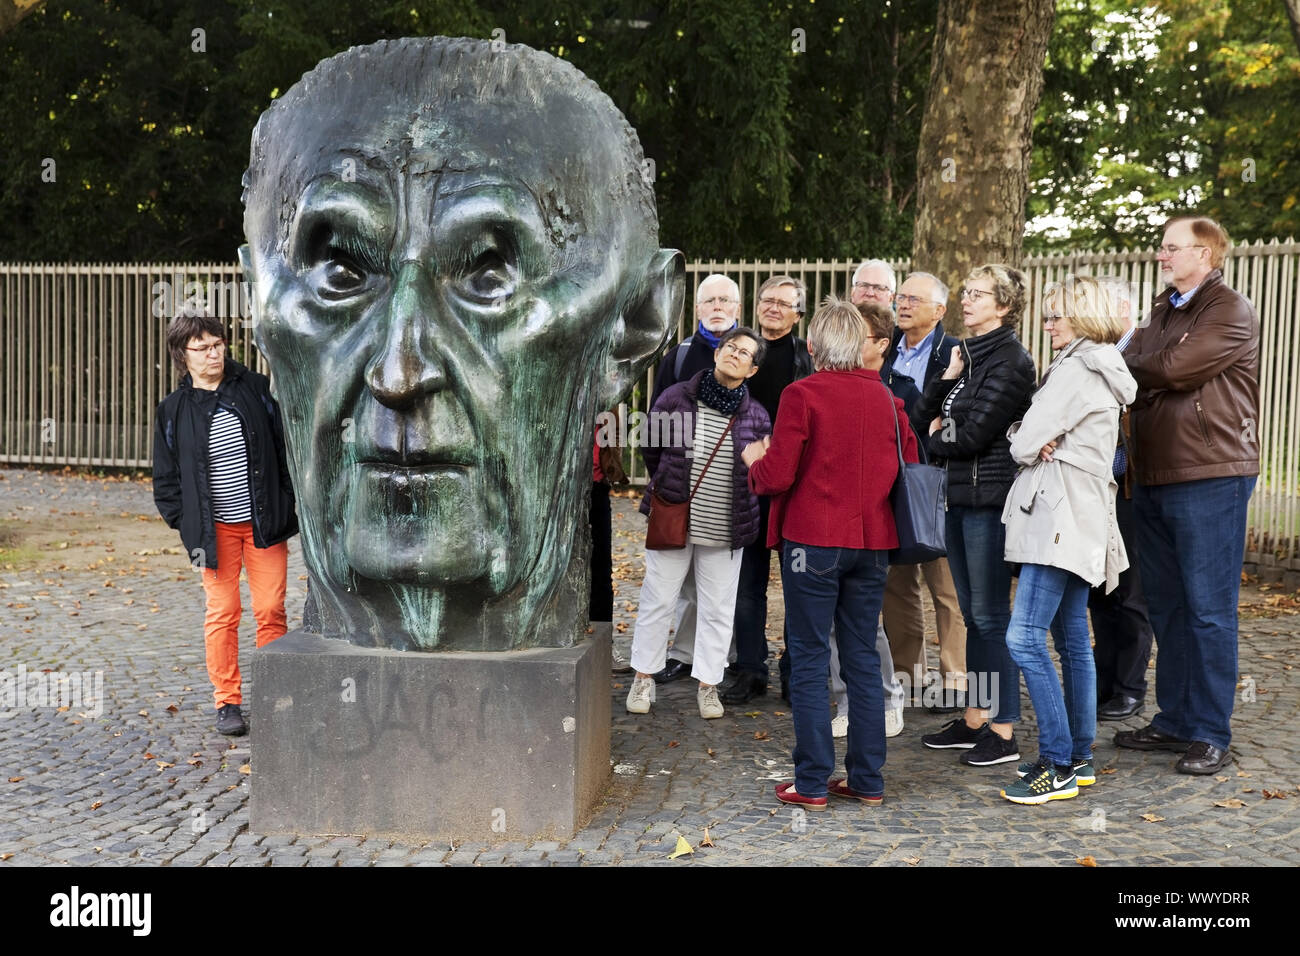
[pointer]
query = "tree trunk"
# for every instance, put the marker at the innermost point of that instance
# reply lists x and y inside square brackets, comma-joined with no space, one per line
[986,75]
[1293,14]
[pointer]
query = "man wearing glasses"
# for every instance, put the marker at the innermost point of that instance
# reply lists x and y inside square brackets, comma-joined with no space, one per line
[920,350]
[874,281]
[1195,460]
[717,304]
[781,303]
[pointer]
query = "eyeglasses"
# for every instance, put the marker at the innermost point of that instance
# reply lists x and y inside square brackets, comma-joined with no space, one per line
[737,351]
[1171,250]
[973,294]
[1050,319]
[911,301]
[873,288]
[719,300]
[769,300]
[217,347]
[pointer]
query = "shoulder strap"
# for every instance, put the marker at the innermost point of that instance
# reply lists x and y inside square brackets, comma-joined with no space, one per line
[680,358]
[898,438]
[703,471]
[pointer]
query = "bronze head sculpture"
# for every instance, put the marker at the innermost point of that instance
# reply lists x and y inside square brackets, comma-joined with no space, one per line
[454,262]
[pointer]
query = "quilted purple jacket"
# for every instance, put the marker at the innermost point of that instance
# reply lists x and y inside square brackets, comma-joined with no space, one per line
[670,469]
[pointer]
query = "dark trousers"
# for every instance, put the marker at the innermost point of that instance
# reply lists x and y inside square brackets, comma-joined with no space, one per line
[601,605]
[750,626]
[1120,625]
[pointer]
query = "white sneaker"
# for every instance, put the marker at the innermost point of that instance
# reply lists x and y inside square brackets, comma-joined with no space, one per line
[641,695]
[710,706]
[893,722]
[840,725]
[618,664]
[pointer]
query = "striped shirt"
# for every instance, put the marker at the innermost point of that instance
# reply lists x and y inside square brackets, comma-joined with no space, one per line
[228,469]
[711,507]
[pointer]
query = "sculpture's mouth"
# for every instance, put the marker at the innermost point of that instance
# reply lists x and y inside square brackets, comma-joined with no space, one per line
[418,461]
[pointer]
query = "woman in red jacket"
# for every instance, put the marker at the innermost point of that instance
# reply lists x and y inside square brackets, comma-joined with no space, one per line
[830,465]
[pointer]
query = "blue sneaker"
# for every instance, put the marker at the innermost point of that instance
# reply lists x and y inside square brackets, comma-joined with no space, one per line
[1083,771]
[1042,783]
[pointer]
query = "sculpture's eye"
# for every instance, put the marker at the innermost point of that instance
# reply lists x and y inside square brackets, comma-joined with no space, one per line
[489,277]
[340,277]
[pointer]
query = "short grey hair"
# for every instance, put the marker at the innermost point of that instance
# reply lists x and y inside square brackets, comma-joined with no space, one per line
[741,331]
[714,277]
[939,295]
[776,282]
[837,335]
[868,263]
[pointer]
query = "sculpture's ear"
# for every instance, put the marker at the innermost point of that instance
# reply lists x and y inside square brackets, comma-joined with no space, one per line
[246,264]
[645,326]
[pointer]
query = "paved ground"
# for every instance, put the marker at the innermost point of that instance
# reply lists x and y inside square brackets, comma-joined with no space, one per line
[149,781]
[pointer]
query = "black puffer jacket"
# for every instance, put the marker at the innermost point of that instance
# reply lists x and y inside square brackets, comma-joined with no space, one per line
[991,394]
[181,488]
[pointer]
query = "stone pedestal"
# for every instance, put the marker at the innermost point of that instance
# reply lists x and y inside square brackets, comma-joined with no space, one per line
[463,747]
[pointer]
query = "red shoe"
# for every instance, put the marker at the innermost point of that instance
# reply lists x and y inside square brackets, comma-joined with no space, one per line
[786,793]
[841,788]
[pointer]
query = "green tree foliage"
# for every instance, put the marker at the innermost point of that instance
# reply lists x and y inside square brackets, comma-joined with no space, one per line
[773,126]
[1151,111]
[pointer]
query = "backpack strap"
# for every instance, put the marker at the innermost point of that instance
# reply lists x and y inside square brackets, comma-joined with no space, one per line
[680,358]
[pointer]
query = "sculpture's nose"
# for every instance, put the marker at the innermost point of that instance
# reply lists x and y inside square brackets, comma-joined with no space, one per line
[408,366]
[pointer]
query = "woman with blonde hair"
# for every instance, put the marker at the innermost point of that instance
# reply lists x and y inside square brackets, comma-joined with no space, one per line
[1061,529]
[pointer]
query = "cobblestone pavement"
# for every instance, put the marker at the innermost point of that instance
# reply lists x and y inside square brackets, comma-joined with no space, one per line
[149,780]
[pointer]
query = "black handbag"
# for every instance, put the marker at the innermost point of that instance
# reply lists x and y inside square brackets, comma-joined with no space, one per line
[919,496]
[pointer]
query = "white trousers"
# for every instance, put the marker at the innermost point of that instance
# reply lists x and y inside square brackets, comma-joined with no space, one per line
[683,648]
[717,575]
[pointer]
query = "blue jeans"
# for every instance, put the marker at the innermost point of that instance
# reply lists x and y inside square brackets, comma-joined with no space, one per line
[1191,541]
[1056,598]
[976,549]
[846,586]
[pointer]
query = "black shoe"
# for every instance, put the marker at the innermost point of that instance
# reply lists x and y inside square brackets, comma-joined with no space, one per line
[1202,758]
[991,749]
[676,670]
[1119,707]
[230,721]
[955,734]
[951,701]
[745,688]
[1148,738]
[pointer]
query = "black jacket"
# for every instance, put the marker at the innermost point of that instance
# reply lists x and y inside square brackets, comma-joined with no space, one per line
[992,393]
[941,346]
[181,488]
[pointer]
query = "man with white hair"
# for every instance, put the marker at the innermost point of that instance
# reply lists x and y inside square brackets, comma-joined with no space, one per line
[873,281]
[717,305]
[1120,623]
[920,350]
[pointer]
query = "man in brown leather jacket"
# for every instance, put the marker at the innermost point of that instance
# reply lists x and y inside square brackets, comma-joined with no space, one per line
[1195,448]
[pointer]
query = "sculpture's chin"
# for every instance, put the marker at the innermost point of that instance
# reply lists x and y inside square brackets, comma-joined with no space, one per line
[426,527]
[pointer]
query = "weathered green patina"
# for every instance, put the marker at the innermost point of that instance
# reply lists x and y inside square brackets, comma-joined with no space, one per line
[454,261]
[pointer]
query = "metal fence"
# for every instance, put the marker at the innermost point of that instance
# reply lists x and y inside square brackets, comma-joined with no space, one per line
[85,358]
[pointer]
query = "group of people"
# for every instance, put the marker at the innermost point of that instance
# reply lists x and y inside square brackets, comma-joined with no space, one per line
[1116,482]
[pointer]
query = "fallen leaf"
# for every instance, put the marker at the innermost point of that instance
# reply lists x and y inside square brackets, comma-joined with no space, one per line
[5,856]
[778,713]
[761,735]
[143,713]
[246,769]
[1151,818]
[194,763]
[1231,803]
[911,860]
[753,713]
[673,743]
[172,709]
[1274,795]
[148,756]
[63,710]
[16,779]
[1221,779]
[774,811]
[1086,860]
[707,841]
[683,848]
[163,764]
[1248,790]
[1242,773]
[1105,770]
[97,804]
[710,752]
